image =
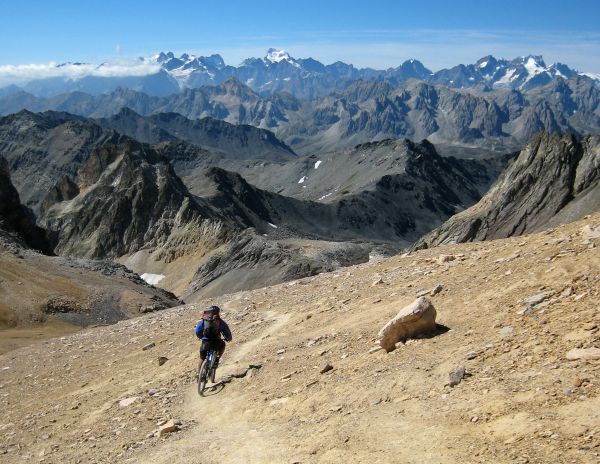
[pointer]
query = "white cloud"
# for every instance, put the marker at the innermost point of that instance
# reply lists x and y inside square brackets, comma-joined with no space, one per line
[27,72]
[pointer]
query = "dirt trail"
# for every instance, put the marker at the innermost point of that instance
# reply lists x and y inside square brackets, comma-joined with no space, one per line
[226,429]
[521,400]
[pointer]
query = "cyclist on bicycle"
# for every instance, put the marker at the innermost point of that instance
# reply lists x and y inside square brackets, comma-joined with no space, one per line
[209,330]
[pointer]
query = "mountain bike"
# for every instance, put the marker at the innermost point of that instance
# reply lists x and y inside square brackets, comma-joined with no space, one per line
[207,371]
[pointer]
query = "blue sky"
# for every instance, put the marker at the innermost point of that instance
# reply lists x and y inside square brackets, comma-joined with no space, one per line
[377,33]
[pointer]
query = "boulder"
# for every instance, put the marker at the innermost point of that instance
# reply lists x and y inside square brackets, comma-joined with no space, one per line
[414,319]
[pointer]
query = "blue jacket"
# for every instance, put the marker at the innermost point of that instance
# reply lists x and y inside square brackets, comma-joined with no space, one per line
[224,330]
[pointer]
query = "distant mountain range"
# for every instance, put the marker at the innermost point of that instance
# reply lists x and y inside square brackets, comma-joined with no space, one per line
[278,71]
[499,119]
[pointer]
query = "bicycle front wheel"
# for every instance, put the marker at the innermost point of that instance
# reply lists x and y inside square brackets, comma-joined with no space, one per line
[203,377]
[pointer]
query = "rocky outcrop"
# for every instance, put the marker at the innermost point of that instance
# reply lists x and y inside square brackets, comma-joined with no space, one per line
[412,320]
[555,179]
[16,219]
[130,198]
[44,152]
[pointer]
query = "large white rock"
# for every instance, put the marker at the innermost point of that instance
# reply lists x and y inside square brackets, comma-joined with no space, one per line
[414,319]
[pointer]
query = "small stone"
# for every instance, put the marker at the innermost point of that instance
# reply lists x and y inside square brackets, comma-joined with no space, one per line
[128,401]
[577,382]
[506,330]
[169,427]
[567,292]
[437,289]
[281,351]
[286,377]
[471,355]
[379,281]
[536,299]
[162,360]
[445,258]
[152,392]
[148,346]
[326,368]
[583,353]
[474,419]
[279,401]
[375,349]
[456,376]
[313,341]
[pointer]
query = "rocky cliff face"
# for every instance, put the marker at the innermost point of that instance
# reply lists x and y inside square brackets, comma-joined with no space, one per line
[16,219]
[554,179]
[130,198]
[44,151]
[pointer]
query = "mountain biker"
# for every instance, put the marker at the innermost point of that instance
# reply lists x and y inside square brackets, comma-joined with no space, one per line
[209,330]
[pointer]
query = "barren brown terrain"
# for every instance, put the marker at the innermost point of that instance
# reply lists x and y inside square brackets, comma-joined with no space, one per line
[48,296]
[98,396]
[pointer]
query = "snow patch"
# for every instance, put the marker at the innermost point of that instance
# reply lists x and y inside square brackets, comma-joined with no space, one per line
[591,75]
[317,164]
[152,279]
[483,65]
[273,225]
[533,67]
[508,77]
[277,56]
[325,196]
[301,181]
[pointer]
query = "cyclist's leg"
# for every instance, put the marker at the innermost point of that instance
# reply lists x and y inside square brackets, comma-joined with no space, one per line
[220,348]
[203,352]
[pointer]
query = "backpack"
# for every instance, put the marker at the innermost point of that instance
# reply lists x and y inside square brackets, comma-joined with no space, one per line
[211,325]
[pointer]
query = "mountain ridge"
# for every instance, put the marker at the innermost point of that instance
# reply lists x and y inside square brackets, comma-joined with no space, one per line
[304,77]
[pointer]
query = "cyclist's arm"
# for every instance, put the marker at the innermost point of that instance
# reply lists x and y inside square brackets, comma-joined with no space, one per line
[199,328]
[226,331]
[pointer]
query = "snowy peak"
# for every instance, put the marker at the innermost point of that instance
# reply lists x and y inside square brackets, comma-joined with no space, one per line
[277,56]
